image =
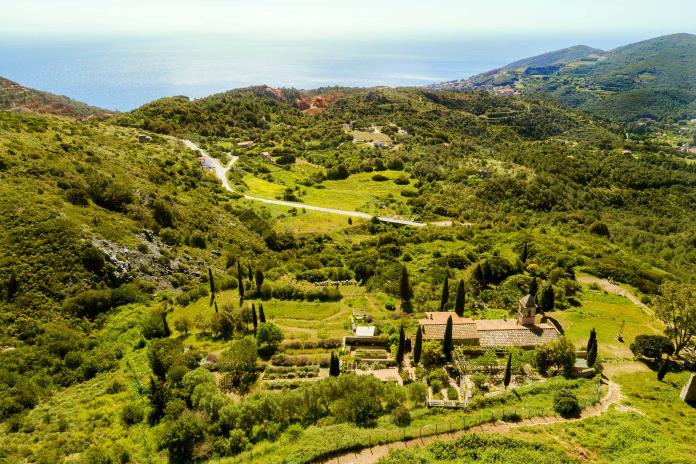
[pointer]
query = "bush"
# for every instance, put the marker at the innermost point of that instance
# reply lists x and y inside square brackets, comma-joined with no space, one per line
[452,393]
[652,346]
[401,417]
[379,178]
[479,380]
[131,414]
[599,228]
[566,403]
[89,303]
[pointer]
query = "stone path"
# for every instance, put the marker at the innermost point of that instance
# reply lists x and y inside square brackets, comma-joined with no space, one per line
[373,454]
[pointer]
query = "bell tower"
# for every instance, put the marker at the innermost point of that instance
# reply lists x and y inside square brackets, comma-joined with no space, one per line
[526,311]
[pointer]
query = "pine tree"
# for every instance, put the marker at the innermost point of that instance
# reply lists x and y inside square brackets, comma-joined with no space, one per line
[262,316]
[447,344]
[334,365]
[508,371]
[461,299]
[445,294]
[400,348]
[418,346]
[546,303]
[240,281]
[592,354]
[254,320]
[663,370]
[591,341]
[405,291]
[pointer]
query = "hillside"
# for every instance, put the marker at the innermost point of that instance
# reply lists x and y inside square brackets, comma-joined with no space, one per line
[15,97]
[650,79]
[148,315]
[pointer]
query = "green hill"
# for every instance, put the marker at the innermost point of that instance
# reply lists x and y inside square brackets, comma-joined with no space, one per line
[652,79]
[112,348]
[15,97]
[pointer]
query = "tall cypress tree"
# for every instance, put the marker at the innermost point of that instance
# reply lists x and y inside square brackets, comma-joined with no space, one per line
[334,365]
[405,290]
[447,344]
[212,290]
[418,347]
[240,280]
[262,316]
[547,301]
[461,298]
[401,347]
[445,294]
[165,326]
[259,279]
[508,371]
[253,317]
[534,288]
[591,341]
[250,272]
[592,354]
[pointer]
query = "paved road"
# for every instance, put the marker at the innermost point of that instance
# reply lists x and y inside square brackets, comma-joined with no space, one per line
[221,173]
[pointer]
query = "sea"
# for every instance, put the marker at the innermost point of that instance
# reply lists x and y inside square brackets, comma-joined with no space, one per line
[122,73]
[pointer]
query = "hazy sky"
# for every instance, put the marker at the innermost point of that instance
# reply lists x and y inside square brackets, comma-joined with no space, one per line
[302,19]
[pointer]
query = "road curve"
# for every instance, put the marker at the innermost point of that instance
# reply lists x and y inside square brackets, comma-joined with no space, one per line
[221,173]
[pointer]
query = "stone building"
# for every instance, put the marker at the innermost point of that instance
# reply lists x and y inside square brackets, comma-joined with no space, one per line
[522,332]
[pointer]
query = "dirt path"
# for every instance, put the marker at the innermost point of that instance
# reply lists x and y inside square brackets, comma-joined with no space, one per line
[372,455]
[221,173]
[615,289]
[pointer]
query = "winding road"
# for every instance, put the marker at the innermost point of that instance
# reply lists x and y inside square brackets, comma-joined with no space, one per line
[221,173]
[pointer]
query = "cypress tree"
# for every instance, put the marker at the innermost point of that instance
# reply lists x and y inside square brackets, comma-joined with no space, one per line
[212,290]
[251,274]
[254,320]
[445,294]
[534,287]
[592,354]
[401,347]
[461,299]
[525,252]
[447,344]
[240,281]
[334,365]
[405,291]
[591,341]
[262,316]
[547,299]
[508,371]
[165,325]
[663,370]
[259,280]
[418,346]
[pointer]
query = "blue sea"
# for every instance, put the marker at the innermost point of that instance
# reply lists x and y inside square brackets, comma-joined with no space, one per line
[123,73]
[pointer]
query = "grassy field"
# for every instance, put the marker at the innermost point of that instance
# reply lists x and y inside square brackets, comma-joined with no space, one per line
[605,313]
[651,425]
[356,193]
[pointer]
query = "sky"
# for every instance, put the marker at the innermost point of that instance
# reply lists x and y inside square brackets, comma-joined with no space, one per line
[331,19]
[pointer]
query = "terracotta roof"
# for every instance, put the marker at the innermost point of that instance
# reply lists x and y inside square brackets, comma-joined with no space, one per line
[498,332]
[488,333]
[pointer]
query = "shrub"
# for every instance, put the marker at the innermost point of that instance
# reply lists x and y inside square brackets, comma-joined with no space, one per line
[599,228]
[89,303]
[479,380]
[452,393]
[566,403]
[379,178]
[511,416]
[401,417]
[131,414]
